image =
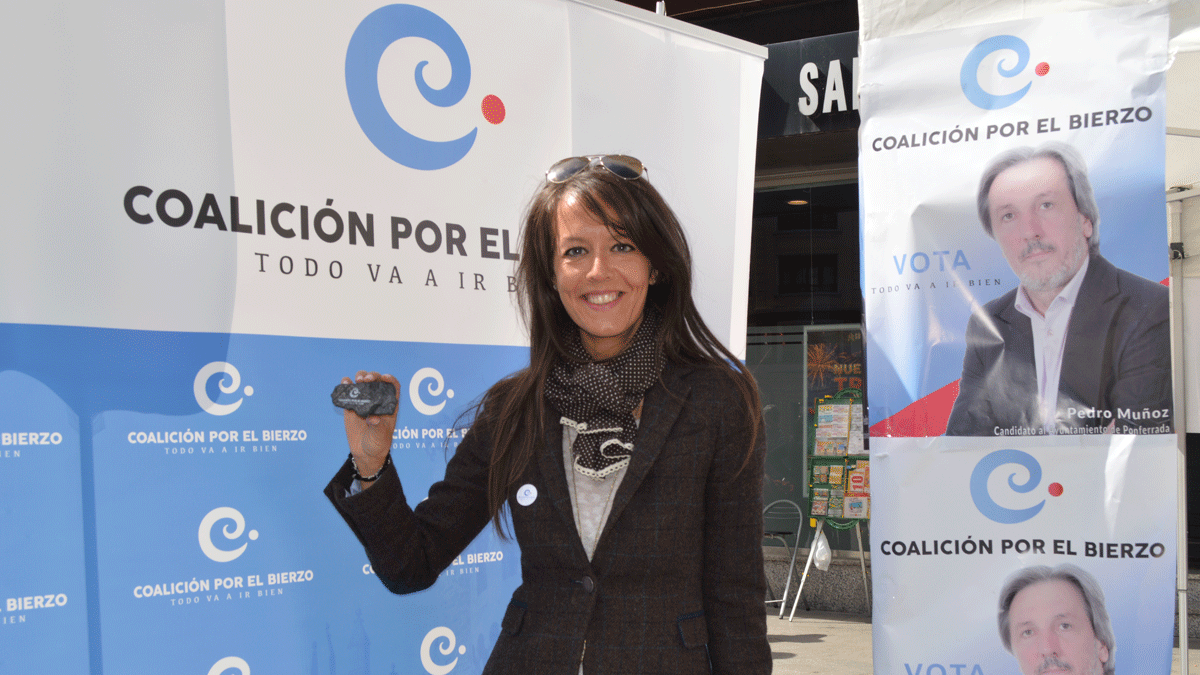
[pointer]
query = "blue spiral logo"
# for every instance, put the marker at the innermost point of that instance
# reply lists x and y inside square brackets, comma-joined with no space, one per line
[979,485]
[372,37]
[969,76]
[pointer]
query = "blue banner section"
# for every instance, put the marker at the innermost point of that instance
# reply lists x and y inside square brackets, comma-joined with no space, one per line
[186,530]
[43,621]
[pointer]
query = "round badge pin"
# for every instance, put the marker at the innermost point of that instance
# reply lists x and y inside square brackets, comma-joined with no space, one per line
[526,495]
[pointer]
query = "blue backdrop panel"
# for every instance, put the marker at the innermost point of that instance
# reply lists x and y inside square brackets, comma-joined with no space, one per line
[43,621]
[201,522]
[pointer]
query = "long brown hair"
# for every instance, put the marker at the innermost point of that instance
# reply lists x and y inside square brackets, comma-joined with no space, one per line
[514,409]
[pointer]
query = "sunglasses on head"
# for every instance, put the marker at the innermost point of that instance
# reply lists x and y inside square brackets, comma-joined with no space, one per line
[621,166]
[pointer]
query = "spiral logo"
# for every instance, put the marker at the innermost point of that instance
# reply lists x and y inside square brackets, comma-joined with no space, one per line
[372,37]
[239,525]
[446,647]
[228,662]
[435,389]
[969,76]
[983,498]
[227,385]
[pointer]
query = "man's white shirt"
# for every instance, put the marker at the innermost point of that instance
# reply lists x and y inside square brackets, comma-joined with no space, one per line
[1049,340]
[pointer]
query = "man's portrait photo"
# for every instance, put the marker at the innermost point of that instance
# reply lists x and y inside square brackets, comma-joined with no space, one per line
[1080,346]
[1053,620]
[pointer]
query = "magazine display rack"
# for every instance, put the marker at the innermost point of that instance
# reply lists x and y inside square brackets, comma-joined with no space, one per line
[836,453]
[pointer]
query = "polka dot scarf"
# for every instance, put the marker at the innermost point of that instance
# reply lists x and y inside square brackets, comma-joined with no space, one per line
[597,399]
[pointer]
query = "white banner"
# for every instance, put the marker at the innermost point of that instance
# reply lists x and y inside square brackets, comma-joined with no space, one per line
[222,209]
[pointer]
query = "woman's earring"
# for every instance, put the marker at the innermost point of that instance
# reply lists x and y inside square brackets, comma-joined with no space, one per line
[653,277]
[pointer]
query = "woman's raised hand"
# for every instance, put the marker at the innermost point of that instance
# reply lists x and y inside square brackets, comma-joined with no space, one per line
[370,439]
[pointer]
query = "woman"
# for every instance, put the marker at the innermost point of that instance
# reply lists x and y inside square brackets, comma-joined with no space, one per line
[629,455]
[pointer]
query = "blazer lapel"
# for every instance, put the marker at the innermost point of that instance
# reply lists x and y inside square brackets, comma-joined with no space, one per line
[1087,356]
[554,478]
[660,409]
[1013,385]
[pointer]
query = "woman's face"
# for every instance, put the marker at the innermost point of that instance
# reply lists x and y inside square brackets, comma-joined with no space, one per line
[601,277]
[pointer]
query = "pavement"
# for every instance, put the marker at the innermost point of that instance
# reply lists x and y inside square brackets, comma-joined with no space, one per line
[840,644]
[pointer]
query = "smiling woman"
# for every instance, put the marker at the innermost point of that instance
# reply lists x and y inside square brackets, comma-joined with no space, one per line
[629,454]
[601,279]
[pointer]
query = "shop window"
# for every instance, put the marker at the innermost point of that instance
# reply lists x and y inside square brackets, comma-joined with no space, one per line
[804,256]
[808,273]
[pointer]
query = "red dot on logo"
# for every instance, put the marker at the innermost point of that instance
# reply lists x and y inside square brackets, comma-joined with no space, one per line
[493,109]
[1042,69]
[1056,489]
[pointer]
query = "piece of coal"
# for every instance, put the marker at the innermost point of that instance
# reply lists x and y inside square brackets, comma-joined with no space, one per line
[366,398]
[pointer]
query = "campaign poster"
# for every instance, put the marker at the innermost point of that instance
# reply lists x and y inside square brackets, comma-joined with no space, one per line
[1018,350]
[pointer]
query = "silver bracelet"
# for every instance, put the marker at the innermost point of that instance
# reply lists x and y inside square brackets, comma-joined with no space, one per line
[367,479]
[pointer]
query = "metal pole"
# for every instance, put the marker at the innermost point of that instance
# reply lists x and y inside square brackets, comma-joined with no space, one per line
[792,564]
[1175,224]
[812,549]
[862,563]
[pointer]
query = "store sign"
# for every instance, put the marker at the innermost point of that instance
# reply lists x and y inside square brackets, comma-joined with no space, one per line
[810,85]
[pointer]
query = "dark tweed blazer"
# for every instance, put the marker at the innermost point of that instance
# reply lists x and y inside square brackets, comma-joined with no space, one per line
[676,584]
[1116,360]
